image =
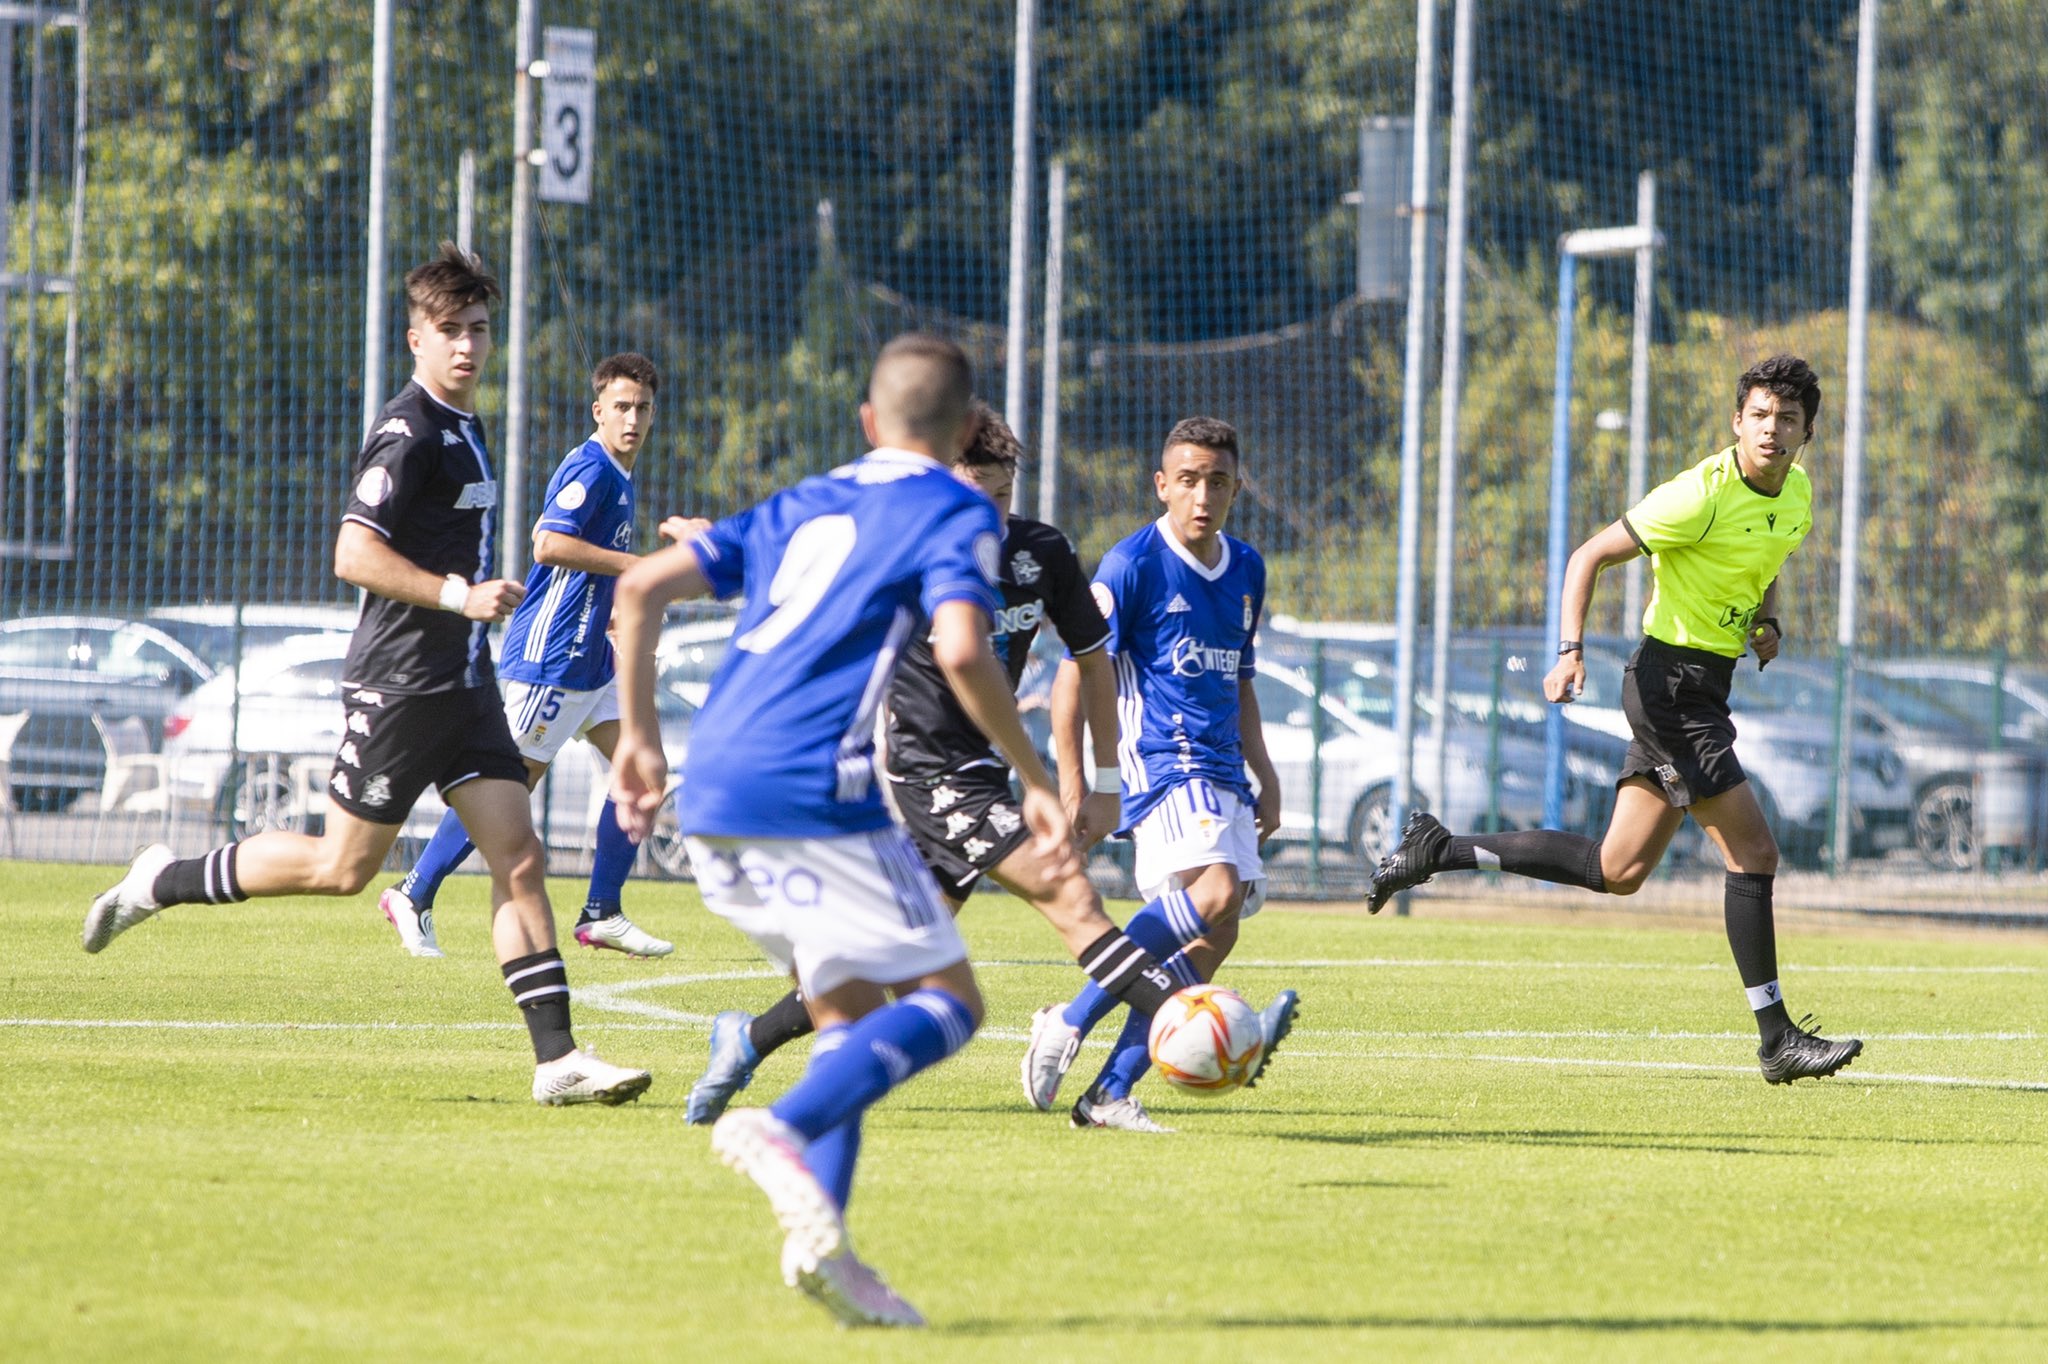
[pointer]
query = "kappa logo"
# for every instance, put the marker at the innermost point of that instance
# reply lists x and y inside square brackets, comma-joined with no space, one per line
[1004,820]
[958,823]
[1178,605]
[944,799]
[395,427]
[976,848]
[349,754]
[377,790]
[1023,568]
[359,723]
[368,698]
[450,438]
[339,781]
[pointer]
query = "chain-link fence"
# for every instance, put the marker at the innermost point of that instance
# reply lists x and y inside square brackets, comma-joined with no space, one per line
[777,186]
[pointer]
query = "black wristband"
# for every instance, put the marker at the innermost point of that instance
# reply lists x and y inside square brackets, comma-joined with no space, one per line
[1570,646]
[1771,621]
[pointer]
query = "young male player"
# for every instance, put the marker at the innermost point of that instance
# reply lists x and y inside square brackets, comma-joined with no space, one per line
[1716,536]
[779,805]
[421,703]
[952,792]
[1183,602]
[556,660]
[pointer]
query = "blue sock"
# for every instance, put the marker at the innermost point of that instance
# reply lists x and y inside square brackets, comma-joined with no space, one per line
[881,1051]
[1162,928]
[1131,1055]
[608,869]
[444,853]
[832,1154]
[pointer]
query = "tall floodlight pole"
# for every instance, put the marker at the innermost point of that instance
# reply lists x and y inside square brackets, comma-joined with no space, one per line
[1016,337]
[1852,419]
[380,174]
[1414,378]
[1049,372]
[1452,384]
[512,494]
[1639,386]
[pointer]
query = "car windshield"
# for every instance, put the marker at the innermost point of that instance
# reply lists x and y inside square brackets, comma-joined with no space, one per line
[216,643]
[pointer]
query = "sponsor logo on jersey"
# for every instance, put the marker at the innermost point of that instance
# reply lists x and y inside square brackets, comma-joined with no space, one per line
[571,497]
[1013,619]
[377,790]
[339,781]
[944,799]
[959,822]
[1023,568]
[368,698]
[1004,820]
[988,556]
[395,427]
[359,723]
[450,438]
[349,754]
[475,495]
[622,538]
[976,848]
[1105,600]
[1190,657]
[373,487]
[1178,605]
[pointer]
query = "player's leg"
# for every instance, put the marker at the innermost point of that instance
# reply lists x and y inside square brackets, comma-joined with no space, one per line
[602,922]
[1735,822]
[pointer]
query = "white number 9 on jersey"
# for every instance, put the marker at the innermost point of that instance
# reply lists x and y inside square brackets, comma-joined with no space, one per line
[812,559]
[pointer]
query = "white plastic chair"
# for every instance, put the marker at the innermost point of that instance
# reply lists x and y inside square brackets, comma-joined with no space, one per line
[10,730]
[130,758]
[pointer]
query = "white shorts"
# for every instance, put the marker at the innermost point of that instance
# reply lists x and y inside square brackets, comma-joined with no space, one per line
[1199,824]
[845,908]
[544,718]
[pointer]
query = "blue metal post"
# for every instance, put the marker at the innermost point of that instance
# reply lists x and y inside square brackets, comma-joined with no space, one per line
[1560,485]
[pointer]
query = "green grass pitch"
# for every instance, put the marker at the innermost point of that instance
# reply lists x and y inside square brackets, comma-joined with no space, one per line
[263,1132]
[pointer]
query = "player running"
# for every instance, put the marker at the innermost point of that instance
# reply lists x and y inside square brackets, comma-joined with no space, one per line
[556,660]
[422,705]
[952,792]
[1716,536]
[1183,601]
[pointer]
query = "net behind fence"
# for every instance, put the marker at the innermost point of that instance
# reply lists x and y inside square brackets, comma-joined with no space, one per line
[779,186]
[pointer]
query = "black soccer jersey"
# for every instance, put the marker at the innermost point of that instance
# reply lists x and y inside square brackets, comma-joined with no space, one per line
[423,481]
[929,734]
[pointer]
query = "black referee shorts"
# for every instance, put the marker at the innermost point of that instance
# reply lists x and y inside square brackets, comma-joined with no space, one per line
[963,823]
[1676,700]
[393,747]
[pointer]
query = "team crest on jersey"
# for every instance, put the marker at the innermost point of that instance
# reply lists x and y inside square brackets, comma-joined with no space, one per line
[944,799]
[373,487]
[958,823]
[1004,820]
[377,790]
[1247,610]
[478,495]
[359,723]
[349,754]
[976,848]
[1023,568]
[395,427]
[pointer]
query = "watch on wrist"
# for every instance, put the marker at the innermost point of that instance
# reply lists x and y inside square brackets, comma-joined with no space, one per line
[1570,646]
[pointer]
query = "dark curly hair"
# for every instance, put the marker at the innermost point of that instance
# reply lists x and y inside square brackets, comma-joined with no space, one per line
[994,442]
[1782,376]
[1211,433]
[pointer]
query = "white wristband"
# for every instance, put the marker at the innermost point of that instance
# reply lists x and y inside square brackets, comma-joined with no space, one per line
[1107,782]
[454,593]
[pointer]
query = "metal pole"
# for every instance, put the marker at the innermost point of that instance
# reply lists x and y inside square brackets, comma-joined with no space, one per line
[1414,378]
[71,268]
[31,387]
[1452,386]
[1560,490]
[380,177]
[1049,376]
[6,259]
[1017,336]
[1639,387]
[465,199]
[1852,412]
[512,497]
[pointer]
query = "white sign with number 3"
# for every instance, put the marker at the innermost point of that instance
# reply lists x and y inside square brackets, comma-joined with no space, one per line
[568,116]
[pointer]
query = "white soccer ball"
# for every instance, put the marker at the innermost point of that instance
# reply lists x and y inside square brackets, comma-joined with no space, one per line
[1206,1039]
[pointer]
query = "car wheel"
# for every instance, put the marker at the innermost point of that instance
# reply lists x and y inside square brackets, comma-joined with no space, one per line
[1945,824]
[1370,833]
[267,803]
[665,846]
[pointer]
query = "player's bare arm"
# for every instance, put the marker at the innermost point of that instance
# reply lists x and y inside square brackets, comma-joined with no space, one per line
[1090,698]
[639,767]
[1252,737]
[1612,545]
[363,558]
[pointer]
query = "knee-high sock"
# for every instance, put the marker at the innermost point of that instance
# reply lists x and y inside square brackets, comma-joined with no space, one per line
[609,866]
[880,1052]
[833,1153]
[1753,938]
[443,854]
[1162,928]
[1541,854]
[1131,1054]
[780,1023]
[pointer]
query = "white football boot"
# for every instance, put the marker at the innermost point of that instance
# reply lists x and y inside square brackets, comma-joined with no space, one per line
[582,1078]
[1053,1046]
[845,1286]
[621,934]
[770,1152]
[131,900]
[415,923]
[1125,1114]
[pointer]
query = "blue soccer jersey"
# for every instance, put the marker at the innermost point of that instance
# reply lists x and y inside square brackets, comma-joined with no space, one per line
[1181,635]
[836,573]
[556,638]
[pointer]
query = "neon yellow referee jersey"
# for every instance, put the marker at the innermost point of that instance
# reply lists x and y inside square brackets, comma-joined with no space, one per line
[1715,543]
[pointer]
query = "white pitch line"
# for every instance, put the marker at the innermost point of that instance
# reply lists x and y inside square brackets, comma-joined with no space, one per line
[1443,963]
[1851,1077]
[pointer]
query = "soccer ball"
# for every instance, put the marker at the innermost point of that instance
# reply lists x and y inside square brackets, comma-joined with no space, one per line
[1206,1039]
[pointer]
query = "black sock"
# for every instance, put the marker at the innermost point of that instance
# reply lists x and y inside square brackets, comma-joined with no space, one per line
[1541,854]
[594,910]
[1753,938]
[540,987]
[780,1023]
[1127,972]
[207,880]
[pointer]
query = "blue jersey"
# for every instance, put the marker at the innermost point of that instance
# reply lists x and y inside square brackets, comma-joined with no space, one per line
[556,638]
[1181,635]
[836,572]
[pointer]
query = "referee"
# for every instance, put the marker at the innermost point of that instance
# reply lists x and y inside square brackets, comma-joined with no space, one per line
[418,689]
[1716,536]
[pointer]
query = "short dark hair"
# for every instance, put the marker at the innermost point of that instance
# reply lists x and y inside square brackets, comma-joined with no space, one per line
[994,442]
[1783,376]
[627,364]
[453,280]
[923,384]
[1211,433]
